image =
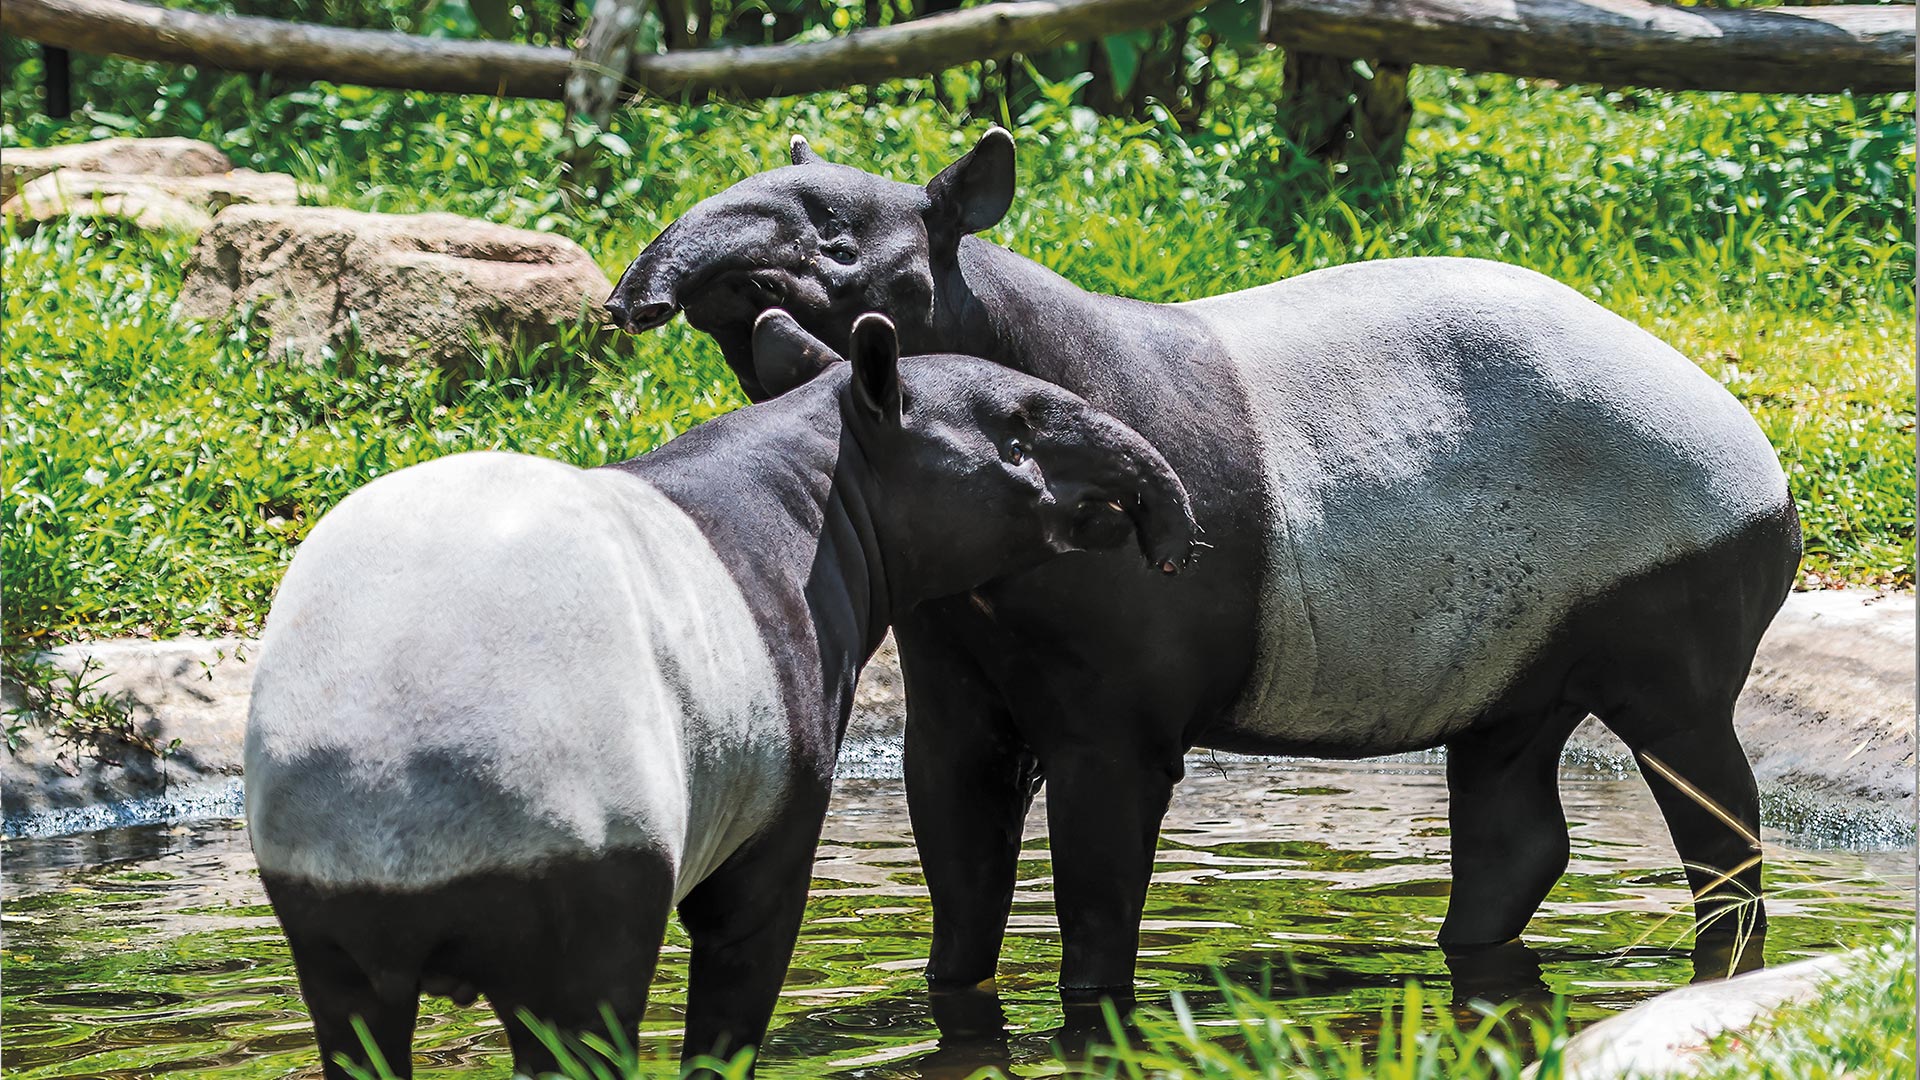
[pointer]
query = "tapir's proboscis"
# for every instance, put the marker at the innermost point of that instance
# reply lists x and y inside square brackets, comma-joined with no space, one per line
[1449,502]
[511,713]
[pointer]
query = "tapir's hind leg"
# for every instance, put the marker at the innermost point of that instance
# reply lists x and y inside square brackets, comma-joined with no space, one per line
[574,950]
[1678,650]
[1705,788]
[1509,835]
[338,992]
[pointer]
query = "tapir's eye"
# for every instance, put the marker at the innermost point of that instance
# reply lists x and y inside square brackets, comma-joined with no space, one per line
[1016,452]
[840,251]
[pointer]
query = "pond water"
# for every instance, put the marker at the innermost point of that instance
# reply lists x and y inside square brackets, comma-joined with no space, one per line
[148,951]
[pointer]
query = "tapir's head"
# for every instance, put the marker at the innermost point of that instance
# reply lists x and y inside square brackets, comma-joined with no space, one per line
[978,471]
[825,242]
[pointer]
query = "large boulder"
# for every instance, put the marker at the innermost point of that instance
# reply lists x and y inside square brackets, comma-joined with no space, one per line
[1670,1036]
[148,201]
[409,287]
[144,157]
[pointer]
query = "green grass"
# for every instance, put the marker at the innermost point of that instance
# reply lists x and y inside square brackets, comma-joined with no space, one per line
[158,474]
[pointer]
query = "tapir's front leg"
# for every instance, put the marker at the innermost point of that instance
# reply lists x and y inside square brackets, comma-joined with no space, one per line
[1105,801]
[970,782]
[743,921]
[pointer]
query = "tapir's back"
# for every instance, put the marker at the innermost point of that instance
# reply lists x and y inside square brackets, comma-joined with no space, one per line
[1458,454]
[491,660]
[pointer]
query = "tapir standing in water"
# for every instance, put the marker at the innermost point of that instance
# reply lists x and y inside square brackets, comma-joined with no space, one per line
[511,713]
[1450,503]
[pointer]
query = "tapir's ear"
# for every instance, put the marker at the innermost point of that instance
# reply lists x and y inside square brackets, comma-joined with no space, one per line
[975,192]
[801,154]
[784,354]
[875,353]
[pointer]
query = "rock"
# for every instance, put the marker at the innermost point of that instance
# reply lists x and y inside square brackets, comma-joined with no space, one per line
[873,745]
[155,203]
[1666,1036]
[193,690]
[149,157]
[421,287]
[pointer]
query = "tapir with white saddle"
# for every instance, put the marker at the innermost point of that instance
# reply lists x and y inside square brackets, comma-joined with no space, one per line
[511,714]
[1449,502]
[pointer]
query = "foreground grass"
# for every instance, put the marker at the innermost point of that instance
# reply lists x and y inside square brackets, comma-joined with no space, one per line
[158,475]
[1861,1028]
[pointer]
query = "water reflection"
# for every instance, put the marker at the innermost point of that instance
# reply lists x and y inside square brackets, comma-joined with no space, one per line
[144,951]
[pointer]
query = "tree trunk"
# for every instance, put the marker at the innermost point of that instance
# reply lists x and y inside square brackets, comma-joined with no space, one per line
[1353,117]
[596,81]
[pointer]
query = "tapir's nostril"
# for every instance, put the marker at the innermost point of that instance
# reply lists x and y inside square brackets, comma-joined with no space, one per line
[648,316]
[636,319]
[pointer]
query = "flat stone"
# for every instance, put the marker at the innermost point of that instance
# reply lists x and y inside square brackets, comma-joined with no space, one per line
[408,287]
[149,157]
[1668,1035]
[154,203]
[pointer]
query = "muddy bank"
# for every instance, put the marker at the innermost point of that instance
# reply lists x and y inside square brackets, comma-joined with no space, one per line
[1827,717]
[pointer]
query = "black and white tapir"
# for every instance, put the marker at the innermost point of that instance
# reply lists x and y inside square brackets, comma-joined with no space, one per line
[511,713]
[1450,502]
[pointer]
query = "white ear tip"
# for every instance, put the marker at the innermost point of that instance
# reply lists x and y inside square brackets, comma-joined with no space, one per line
[872,320]
[997,130]
[770,316]
[798,142]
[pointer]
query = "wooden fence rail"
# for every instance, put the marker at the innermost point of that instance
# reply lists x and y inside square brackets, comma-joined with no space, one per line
[1865,48]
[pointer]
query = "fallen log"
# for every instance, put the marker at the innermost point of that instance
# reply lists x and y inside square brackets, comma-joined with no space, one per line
[402,61]
[1867,48]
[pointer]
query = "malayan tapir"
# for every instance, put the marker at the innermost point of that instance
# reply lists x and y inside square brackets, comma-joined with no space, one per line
[511,713]
[1449,502]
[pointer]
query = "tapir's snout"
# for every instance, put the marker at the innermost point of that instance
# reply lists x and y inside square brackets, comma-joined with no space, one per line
[1168,533]
[648,295]
[1149,491]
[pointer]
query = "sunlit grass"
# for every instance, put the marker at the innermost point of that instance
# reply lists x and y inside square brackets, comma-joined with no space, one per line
[158,474]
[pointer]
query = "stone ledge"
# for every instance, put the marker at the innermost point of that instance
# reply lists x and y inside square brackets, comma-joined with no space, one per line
[1828,719]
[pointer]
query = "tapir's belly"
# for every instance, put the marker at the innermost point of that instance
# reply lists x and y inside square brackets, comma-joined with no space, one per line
[488,661]
[1458,455]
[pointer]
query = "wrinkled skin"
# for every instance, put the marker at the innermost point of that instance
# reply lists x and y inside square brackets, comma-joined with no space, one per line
[1404,471]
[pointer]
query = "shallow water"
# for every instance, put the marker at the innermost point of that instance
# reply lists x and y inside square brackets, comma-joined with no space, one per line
[146,951]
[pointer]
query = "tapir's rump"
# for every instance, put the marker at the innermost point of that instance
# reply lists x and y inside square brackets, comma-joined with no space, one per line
[590,681]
